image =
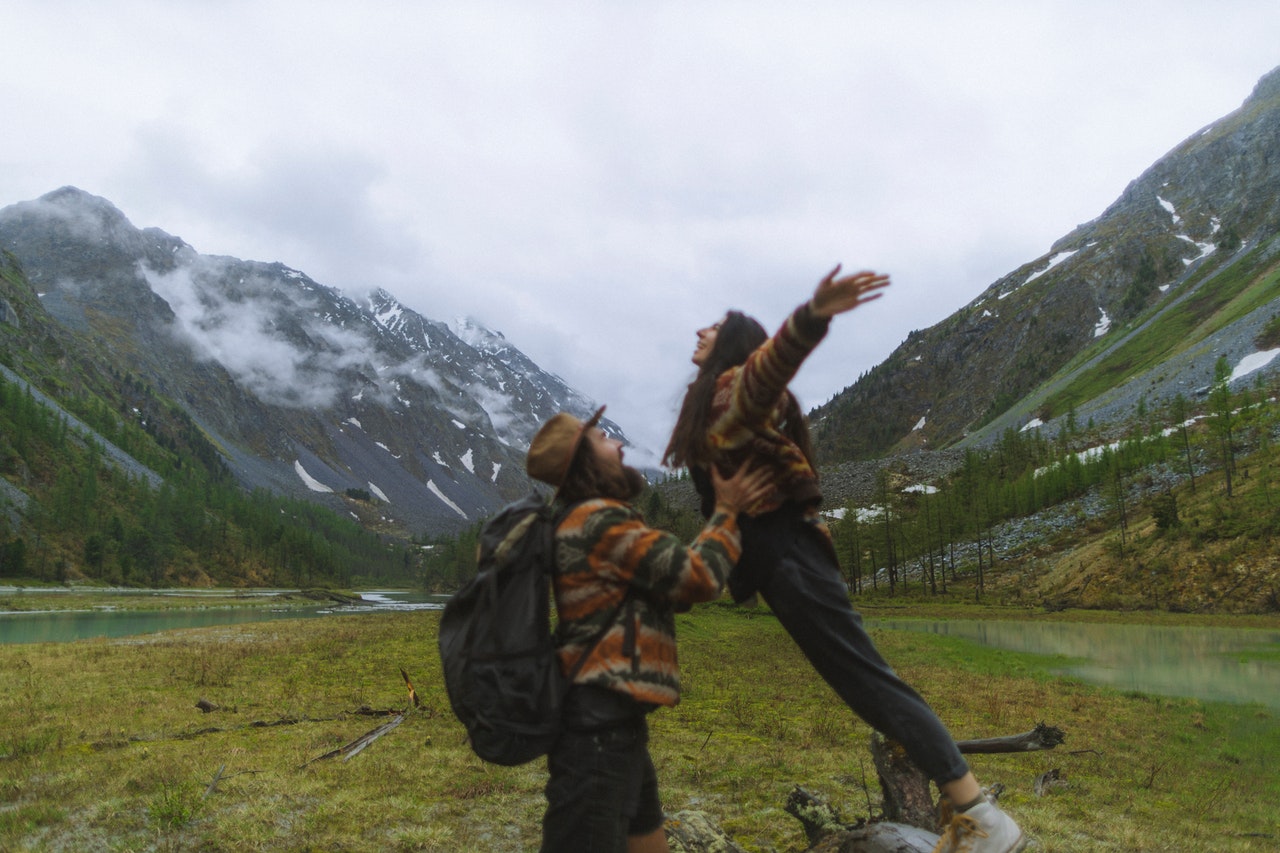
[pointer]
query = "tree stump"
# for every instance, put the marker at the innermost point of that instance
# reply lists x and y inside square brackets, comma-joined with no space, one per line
[907,794]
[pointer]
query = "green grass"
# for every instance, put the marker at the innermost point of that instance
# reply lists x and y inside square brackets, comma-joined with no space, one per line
[102,746]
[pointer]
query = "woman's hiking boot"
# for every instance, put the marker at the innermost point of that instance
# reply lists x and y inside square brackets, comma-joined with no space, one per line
[983,828]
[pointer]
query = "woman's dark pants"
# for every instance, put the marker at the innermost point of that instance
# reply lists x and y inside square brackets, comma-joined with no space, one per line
[793,567]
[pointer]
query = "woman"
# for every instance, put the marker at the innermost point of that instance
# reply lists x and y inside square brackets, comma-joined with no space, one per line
[618,584]
[738,410]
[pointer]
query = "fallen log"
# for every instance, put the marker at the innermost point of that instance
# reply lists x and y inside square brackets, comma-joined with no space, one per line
[1041,737]
[213,786]
[351,750]
[220,775]
[879,838]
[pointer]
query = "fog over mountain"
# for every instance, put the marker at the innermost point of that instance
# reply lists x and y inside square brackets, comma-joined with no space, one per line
[307,391]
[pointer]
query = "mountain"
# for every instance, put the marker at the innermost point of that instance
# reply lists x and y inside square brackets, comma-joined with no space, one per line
[1124,312]
[414,425]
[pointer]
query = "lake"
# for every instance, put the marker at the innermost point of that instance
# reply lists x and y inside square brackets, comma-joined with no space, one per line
[1239,665]
[108,620]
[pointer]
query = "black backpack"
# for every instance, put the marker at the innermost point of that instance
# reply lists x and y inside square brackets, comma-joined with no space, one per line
[496,646]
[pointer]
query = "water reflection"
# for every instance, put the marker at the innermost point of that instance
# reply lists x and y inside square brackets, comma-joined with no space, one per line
[1211,664]
[59,626]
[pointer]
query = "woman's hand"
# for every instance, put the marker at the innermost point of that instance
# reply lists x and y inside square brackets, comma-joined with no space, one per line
[741,490]
[838,295]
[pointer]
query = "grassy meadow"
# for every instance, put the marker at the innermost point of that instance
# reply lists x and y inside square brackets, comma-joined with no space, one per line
[102,746]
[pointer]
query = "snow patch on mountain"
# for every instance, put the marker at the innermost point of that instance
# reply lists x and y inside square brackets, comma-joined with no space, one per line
[1205,249]
[435,490]
[310,482]
[1255,361]
[1103,326]
[1053,262]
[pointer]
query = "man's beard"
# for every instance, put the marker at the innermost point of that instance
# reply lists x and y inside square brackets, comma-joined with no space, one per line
[627,485]
[591,477]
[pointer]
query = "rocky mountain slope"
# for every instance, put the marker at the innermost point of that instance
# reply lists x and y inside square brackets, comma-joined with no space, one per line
[1136,305]
[305,391]
[308,392]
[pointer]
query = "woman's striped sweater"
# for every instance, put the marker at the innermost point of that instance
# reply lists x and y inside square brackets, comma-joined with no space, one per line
[611,565]
[749,406]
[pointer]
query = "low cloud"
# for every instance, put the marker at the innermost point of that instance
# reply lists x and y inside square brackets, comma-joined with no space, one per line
[243,331]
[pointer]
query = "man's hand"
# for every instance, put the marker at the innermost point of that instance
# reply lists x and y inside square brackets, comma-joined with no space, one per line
[838,295]
[741,490]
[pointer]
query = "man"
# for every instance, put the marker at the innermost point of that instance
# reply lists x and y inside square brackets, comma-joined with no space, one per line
[618,584]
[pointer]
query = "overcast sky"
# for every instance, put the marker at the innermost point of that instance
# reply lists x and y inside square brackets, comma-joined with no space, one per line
[596,180]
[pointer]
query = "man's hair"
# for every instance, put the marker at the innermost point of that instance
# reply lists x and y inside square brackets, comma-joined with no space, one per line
[588,478]
[737,337]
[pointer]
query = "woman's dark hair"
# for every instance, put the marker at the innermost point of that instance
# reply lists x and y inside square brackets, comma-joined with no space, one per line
[737,337]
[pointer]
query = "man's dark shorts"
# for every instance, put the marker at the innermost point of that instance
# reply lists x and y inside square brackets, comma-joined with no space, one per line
[603,786]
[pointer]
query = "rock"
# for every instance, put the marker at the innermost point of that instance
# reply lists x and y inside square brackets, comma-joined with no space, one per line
[697,832]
